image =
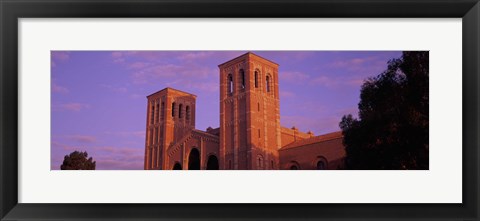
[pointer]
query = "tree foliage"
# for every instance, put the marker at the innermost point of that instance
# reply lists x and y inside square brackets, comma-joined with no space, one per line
[392,129]
[78,161]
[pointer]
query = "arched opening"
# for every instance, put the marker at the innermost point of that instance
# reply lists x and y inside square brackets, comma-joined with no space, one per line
[188,112]
[194,160]
[256,79]
[173,109]
[267,83]
[157,119]
[212,163]
[321,165]
[152,112]
[180,106]
[162,117]
[294,165]
[260,162]
[177,166]
[230,84]
[242,75]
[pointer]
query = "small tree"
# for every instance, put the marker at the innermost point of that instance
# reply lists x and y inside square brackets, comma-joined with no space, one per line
[78,161]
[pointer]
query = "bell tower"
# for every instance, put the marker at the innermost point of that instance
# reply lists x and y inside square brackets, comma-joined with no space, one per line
[170,115]
[249,113]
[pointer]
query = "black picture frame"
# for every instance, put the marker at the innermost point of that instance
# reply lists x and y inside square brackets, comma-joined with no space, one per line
[12,10]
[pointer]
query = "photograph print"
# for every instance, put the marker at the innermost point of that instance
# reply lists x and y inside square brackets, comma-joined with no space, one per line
[239,110]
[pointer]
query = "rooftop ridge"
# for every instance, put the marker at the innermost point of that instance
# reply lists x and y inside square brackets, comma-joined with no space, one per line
[316,139]
[245,55]
[170,88]
[205,133]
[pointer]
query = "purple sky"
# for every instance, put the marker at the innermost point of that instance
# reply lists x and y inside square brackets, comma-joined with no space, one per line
[99,97]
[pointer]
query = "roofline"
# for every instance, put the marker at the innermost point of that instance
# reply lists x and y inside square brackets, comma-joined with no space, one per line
[169,88]
[302,145]
[247,54]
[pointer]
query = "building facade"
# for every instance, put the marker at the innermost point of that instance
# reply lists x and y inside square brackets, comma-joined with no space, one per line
[250,136]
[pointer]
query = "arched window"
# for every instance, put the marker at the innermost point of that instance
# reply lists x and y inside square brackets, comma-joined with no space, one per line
[258,106]
[267,83]
[259,162]
[151,137]
[256,79]
[294,165]
[177,166]
[188,112]
[152,112]
[157,119]
[230,84]
[180,110]
[173,109]
[194,159]
[153,158]
[242,75]
[155,134]
[320,165]
[162,114]
[212,163]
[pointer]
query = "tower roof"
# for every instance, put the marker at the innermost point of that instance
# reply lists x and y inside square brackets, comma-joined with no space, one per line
[245,55]
[317,139]
[173,89]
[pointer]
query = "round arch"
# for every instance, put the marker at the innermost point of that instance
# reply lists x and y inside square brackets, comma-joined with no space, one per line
[212,163]
[177,166]
[293,165]
[194,159]
[320,163]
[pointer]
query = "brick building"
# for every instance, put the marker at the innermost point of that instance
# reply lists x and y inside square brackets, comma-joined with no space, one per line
[250,136]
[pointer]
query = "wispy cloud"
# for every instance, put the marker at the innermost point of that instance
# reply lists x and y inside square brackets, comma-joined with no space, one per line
[139,133]
[116,89]
[195,56]
[293,76]
[58,89]
[70,107]
[371,65]
[58,56]
[190,76]
[139,65]
[119,158]
[353,62]
[325,80]
[106,157]
[83,138]
[286,94]
[132,56]
[62,146]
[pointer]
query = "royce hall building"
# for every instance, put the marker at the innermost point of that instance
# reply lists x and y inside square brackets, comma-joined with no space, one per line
[250,136]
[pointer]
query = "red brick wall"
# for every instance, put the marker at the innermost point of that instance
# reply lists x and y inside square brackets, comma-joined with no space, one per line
[249,133]
[307,156]
[162,128]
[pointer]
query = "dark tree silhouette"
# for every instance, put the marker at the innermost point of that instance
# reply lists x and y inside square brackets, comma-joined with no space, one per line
[392,129]
[78,161]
